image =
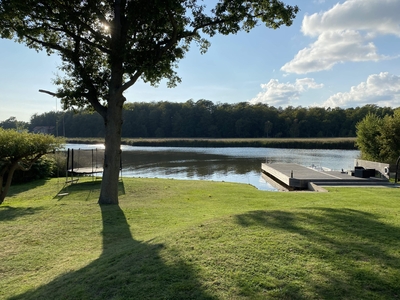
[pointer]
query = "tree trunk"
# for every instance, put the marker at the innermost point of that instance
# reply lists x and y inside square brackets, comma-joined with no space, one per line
[112,155]
[4,190]
[113,116]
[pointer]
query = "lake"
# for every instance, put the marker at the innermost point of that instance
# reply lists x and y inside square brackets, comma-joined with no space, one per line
[242,165]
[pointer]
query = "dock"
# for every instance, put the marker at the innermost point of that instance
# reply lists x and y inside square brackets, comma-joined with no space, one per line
[296,177]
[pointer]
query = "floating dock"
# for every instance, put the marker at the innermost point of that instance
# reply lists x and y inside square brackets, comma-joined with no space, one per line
[296,177]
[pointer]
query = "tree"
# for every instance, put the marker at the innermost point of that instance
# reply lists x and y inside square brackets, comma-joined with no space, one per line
[378,138]
[13,123]
[368,132]
[19,150]
[106,46]
[389,138]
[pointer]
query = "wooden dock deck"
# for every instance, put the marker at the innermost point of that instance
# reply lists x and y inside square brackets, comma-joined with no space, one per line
[296,177]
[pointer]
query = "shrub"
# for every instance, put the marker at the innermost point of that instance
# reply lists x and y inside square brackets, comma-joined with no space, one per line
[44,167]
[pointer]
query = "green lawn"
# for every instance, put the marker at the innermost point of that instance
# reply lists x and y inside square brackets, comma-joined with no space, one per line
[171,239]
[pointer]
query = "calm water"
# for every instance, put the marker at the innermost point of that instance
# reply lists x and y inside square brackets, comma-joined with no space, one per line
[221,164]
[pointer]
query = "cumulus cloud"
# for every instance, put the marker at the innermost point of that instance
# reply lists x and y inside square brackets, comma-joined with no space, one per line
[345,33]
[280,94]
[381,89]
[332,48]
[374,16]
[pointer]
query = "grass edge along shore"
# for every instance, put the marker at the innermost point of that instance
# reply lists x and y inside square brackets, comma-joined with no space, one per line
[345,143]
[183,239]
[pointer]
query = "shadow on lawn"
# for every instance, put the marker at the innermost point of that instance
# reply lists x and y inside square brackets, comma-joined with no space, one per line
[355,254]
[8,213]
[126,269]
[18,188]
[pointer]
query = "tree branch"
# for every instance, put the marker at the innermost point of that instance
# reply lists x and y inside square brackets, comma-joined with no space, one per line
[30,162]
[50,93]
[73,15]
[131,82]
[86,41]
[52,46]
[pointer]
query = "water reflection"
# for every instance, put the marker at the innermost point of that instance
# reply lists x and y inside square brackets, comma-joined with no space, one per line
[190,165]
[221,164]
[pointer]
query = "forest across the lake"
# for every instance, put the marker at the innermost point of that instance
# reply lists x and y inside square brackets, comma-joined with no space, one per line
[204,119]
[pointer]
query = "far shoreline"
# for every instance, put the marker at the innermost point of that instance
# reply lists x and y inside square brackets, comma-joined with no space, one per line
[342,143]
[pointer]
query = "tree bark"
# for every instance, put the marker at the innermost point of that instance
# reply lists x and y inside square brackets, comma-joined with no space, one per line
[112,155]
[4,190]
[113,118]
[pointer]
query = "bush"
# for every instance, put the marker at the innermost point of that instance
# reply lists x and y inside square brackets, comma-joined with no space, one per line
[59,163]
[19,151]
[50,165]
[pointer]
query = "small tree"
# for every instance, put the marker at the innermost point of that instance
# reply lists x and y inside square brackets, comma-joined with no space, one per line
[19,150]
[106,46]
[368,132]
[379,138]
[389,138]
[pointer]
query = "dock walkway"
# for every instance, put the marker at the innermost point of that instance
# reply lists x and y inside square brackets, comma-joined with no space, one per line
[296,177]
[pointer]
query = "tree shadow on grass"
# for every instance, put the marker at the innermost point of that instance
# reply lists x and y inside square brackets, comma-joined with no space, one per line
[18,188]
[126,269]
[355,253]
[8,213]
[85,190]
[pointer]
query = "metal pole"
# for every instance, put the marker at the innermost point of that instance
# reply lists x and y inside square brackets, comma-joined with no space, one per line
[72,165]
[92,166]
[120,162]
[66,170]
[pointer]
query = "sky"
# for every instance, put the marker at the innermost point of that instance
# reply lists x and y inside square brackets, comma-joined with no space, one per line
[336,54]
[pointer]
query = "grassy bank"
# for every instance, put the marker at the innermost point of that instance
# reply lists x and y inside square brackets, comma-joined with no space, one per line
[172,239]
[294,143]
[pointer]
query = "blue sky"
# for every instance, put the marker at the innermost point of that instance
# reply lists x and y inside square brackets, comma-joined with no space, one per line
[336,54]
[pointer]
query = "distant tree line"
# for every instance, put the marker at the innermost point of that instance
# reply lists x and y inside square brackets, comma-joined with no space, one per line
[13,123]
[203,118]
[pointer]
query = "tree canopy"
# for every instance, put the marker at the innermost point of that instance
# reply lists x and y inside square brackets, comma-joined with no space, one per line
[378,137]
[19,150]
[106,46]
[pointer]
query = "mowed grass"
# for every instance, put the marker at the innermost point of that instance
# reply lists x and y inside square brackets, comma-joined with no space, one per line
[171,239]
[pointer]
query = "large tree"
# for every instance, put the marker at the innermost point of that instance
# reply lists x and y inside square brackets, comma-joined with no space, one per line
[19,150]
[106,46]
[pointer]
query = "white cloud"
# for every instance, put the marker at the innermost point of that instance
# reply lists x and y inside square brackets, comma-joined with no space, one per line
[381,89]
[332,48]
[374,16]
[345,33]
[280,94]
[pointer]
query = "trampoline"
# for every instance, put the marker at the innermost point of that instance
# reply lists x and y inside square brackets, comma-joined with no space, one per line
[85,162]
